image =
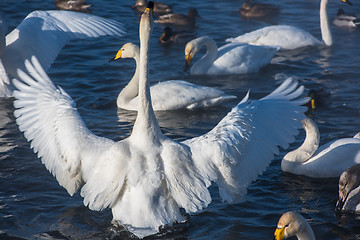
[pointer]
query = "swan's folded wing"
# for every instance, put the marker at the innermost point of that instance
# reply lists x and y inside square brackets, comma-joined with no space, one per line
[44,33]
[50,121]
[244,142]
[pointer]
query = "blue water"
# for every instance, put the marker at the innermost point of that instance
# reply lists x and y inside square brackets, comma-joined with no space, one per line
[34,206]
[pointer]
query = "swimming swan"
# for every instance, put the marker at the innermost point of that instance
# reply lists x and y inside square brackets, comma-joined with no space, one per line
[166,95]
[289,37]
[329,160]
[293,224]
[233,58]
[43,34]
[349,190]
[146,177]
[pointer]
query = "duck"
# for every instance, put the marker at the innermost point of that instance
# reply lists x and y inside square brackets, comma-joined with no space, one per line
[289,37]
[158,9]
[293,224]
[349,190]
[36,35]
[168,36]
[179,20]
[346,20]
[73,5]
[326,161]
[148,179]
[166,95]
[232,58]
[258,10]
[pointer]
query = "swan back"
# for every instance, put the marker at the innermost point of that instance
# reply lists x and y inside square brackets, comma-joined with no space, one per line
[293,224]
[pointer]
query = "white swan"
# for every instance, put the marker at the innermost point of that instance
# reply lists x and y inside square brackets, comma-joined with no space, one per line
[293,224]
[147,177]
[349,190]
[43,34]
[289,37]
[233,58]
[329,160]
[166,95]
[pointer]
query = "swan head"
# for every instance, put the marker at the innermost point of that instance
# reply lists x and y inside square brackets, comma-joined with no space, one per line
[128,50]
[348,181]
[191,49]
[290,224]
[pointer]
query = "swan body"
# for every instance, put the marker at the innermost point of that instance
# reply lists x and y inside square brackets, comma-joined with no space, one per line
[328,160]
[232,58]
[146,177]
[346,20]
[293,224]
[289,37]
[43,34]
[167,95]
[349,190]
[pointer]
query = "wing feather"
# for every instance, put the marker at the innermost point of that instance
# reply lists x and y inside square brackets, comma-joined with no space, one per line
[245,141]
[49,119]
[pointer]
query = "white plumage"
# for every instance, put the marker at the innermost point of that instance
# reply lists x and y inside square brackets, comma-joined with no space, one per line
[43,34]
[232,58]
[166,95]
[147,177]
[289,37]
[328,160]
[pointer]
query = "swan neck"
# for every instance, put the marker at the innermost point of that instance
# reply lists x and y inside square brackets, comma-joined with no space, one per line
[324,23]
[210,56]
[306,234]
[309,146]
[146,124]
[131,90]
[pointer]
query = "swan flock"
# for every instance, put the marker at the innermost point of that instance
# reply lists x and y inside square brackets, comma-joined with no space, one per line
[147,177]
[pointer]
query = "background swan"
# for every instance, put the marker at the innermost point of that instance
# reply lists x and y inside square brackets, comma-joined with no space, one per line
[293,224]
[349,190]
[147,177]
[329,160]
[166,95]
[233,58]
[73,5]
[289,37]
[43,34]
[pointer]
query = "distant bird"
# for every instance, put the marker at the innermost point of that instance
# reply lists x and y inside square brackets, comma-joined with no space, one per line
[158,9]
[232,58]
[73,5]
[166,95]
[258,10]
[349,189]
[147,179]
[289,37]
[319,98]
[328,160]
[169,36]
[43,34]
[180,21]
[346,20]
[293,224]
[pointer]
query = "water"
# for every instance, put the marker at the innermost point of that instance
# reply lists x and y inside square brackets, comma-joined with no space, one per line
[34,206]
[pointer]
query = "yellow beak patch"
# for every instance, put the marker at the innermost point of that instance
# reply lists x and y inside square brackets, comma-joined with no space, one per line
[279,233]
[188,59]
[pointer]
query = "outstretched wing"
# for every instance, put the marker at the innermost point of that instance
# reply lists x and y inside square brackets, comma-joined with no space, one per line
[44,33]
[49,119]
[244,142]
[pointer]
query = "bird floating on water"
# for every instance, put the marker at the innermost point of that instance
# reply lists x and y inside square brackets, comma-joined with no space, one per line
[293,224]
[346,20]
[328,160]
[73,5]
[147,177]
[249,9]
[232,58]
[179,20]
[43,34]
[349,190]
[289,37]
[166,95]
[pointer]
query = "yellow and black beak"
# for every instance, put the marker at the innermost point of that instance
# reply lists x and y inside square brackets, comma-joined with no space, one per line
[117,56]
[312,103]
[188,59]
[346,1]
[279,234]
[150,7]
